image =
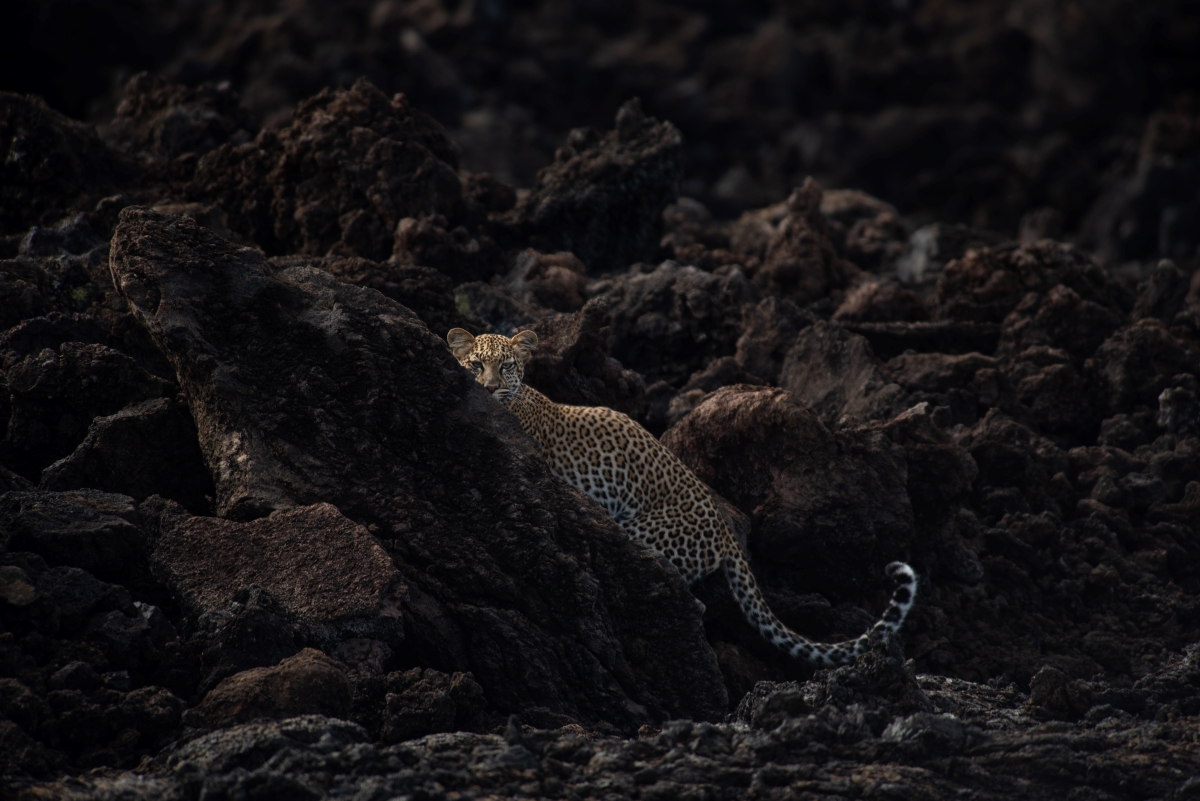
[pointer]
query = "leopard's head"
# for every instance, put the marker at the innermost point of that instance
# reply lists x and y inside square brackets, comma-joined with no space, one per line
[497,362]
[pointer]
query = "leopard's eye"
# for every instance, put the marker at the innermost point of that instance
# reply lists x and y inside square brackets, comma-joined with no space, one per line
[476,365]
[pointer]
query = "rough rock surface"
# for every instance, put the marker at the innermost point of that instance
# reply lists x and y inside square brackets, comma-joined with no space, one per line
[603,197]
[308,683]
[669,321]
[854,731]
[328,574]
[350,167]
[336,432]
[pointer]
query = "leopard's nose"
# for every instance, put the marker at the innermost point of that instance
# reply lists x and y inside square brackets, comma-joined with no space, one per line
[491,388]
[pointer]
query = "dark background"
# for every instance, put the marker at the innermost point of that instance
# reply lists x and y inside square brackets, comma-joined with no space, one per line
[973,112]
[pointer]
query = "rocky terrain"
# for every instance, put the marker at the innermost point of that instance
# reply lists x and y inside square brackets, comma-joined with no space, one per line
[897,280]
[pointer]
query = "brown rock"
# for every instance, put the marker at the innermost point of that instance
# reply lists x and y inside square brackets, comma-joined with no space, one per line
[553,280]
[146,449]
[986,284]
[1058,319]
[309,683]
[800,263]
[879,301]
[55,164]
[671,321]
[57,393]
[812,496]
[768,331]
[349,167]
[327,571]
[1137,363]
[571,364]
[836,373]
[864,229]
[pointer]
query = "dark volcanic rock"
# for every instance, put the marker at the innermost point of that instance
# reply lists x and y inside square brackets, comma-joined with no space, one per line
[571,364]
[373,415]
[146,449]
[836,373]
[554,280]
[671,321]
[768,332]
[350,166]
[864,229]
[798,261]
[1061,319]
[413,703]
[92,530]
[52,164]
[603,197]
[1137,363]
[252,630]
[162,122]
[986,284]
[56,394]
[422,290]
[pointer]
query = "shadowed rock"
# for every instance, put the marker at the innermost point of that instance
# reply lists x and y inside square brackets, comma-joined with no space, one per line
[146,449]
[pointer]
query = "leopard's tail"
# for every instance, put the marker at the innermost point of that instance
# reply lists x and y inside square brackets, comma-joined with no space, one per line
[754,607]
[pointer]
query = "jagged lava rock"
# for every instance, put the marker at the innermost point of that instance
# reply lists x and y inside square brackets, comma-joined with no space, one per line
[798,261]
[57,393]
[603,197]
[307,390]
[351,165]
[571,364]
[309,683]
[669,321]
[96,531]
[53,164]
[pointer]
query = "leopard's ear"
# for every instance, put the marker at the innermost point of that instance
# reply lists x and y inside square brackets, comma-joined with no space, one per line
[461,342]
[523,344]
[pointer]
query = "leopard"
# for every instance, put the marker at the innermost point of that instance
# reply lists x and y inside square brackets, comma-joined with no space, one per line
[651,495]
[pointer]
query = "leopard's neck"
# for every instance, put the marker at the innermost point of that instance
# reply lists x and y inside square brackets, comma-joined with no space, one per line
[535,412]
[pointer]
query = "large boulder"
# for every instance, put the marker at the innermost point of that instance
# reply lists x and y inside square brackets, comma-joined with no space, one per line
[308,390]
[95,531]
[813,496]
[309,683]
[571,364]
[798,260]
[53,164]
[669,321]
[57,393]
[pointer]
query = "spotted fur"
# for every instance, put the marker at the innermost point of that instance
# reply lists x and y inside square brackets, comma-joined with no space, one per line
[652,495]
